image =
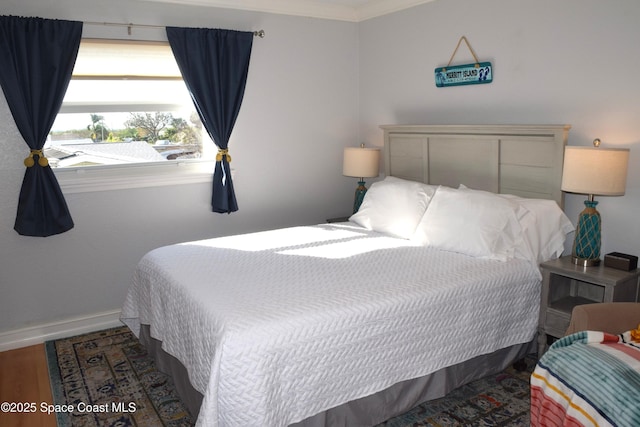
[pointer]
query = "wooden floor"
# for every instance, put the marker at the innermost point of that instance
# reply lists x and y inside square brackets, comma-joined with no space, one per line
[24,379]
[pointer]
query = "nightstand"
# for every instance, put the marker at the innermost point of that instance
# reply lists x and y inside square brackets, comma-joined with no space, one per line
[565,285]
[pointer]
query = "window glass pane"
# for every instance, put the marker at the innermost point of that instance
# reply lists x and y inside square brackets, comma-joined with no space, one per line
[88,139]
[107,120]
[138,95]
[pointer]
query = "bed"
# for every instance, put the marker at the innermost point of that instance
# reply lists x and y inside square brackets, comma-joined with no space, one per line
[588,378]
[433,283]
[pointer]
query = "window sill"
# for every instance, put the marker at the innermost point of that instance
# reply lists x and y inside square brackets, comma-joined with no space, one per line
[122,177]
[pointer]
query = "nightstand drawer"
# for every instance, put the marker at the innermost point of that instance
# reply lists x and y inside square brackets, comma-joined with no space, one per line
[557,322]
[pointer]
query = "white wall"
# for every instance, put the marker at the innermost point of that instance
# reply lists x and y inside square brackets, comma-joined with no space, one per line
[563,62]
[299,111]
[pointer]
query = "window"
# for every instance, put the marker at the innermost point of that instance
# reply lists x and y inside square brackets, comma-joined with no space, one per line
[126,107]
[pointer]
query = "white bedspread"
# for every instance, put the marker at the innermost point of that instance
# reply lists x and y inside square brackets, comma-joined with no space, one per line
[274,327]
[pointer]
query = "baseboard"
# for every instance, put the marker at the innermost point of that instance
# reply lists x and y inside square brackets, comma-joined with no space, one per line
[60,329]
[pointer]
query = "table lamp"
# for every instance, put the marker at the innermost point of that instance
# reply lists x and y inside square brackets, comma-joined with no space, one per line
[360,162]
[592,171]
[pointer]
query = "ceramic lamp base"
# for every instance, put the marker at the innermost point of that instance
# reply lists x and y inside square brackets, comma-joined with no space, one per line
[586,247]
[585,262]
[359,197]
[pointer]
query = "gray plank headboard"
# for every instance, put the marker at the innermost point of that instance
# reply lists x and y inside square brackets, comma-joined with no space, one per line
[525,160]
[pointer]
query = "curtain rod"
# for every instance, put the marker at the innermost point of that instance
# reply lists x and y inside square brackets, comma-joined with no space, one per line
[259,33]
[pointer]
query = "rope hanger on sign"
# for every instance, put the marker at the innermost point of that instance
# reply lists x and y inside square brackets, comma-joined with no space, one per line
[463,38]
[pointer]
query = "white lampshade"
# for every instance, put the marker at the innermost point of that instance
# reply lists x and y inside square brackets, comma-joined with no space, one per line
[596,171]
[361,162]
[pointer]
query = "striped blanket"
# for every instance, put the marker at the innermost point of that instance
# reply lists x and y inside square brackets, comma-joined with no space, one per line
[588,379]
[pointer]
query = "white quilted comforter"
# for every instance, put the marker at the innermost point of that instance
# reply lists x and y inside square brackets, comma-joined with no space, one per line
[274,327]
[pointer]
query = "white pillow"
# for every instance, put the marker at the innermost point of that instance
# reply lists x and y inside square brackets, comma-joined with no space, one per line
[471,222]
[545,229]
[394,206]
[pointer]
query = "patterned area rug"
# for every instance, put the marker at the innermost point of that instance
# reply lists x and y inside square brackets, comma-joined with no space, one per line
[498,400]
[109,376]
[110,380]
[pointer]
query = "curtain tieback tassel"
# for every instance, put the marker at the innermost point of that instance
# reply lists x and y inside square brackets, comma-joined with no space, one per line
[42,160]
[221,154]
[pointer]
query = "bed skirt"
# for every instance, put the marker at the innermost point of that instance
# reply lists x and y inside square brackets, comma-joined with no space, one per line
[369,410]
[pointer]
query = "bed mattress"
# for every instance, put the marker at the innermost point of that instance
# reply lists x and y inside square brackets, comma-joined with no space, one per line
[276,326]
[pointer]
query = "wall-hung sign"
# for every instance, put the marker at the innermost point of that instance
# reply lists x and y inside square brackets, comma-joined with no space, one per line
[467,74]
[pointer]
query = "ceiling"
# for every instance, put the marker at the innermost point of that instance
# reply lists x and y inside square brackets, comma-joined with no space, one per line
[343,10]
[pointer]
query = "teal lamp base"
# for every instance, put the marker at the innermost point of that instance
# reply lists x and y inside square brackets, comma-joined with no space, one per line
[360,192]
[586,247]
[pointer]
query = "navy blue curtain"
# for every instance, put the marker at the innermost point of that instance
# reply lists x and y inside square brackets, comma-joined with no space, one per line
[214,65]
[37,59]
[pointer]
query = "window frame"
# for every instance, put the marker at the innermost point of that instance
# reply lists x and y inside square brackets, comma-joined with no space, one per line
[81,179]
[137,175]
